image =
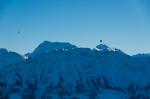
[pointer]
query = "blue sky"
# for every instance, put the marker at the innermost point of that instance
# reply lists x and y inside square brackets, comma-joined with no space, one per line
[124,24]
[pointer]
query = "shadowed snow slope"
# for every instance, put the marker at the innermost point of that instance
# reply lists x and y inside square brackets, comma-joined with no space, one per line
[47,46]
[7,58]
[56,70]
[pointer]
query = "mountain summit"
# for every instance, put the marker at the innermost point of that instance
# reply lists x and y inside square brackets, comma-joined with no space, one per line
[48,46]
[103,47]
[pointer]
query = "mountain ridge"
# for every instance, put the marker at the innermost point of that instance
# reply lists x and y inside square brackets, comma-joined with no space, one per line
[56,70]
[104,47]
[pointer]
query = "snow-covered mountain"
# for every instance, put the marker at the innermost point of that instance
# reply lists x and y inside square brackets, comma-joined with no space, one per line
[47,46]
[56,70]
[144,57]
[8,58]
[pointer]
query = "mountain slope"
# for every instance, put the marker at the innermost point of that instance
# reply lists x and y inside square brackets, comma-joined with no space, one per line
[63,71]
[8,58]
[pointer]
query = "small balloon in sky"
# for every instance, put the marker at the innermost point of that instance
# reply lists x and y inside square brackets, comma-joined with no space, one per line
[101,41]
